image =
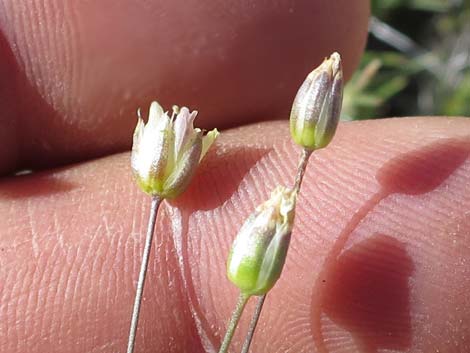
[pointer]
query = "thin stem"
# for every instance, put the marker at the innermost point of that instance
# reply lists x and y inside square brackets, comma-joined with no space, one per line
[305,155]
[233,323]
[143,271]
[253,324]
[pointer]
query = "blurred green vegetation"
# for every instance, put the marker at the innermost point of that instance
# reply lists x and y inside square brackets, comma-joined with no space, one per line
[417,61]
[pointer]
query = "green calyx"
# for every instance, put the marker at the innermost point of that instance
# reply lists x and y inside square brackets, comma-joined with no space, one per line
[309,135]
[259,251]
[304,136]
[259,271]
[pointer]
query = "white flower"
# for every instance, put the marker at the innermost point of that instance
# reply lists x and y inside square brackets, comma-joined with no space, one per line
[167,150]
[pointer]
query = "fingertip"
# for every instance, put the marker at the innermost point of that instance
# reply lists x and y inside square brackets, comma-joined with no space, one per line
[370,245]
[85,67]
[371,265]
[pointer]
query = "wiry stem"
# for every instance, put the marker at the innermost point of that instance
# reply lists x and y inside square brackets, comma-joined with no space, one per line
[253,324]
[143,272]
[305,155]
[232,325]
[301,168]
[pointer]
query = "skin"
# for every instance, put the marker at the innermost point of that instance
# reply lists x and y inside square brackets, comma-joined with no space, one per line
[379,254]
[77,72]
[72,239]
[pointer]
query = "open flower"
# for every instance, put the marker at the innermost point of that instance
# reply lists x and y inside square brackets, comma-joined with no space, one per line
[167,150]
[259,251]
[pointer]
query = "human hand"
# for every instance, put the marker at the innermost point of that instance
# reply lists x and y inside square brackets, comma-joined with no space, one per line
[377,258]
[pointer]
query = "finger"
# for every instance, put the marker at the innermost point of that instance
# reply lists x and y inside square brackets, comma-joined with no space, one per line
[377,260]
[81,69]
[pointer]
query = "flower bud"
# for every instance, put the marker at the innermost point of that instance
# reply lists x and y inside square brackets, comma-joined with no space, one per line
[259,251]
[317,105]
[167,151]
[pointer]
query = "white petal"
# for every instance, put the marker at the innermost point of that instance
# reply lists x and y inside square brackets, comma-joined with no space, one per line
[138,132]
[207,142]
[137,138]
[153,144]
[156,111]
[184,129]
